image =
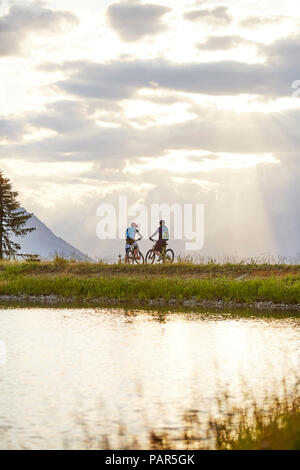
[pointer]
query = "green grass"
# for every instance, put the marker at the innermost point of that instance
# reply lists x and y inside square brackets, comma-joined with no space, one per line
[280,431]
[279,290]
[273,427]
[279,284]
[63,266]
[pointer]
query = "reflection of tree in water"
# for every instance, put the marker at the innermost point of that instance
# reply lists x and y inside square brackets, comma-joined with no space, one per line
[130,315]
[160,316]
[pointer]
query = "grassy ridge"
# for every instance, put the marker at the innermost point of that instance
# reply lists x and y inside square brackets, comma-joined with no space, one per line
[62,266]
[276,289]
[238,283]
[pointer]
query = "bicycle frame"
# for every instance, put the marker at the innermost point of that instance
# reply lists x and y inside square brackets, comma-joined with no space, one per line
[165,254]
[163,250]
[134,251]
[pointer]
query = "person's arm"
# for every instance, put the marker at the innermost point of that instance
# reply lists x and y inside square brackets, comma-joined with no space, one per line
[155,233]
[140,235]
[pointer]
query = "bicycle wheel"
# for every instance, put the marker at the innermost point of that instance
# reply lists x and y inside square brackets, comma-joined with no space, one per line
[130,258]
[141,259]
[150,257]
[168,256]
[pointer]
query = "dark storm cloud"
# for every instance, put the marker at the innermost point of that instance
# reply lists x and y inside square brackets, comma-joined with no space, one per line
[21,21]
[215,16]
[132,21]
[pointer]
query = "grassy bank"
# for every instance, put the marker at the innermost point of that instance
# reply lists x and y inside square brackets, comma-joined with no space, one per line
[174,284]
[280,431]
[273,428]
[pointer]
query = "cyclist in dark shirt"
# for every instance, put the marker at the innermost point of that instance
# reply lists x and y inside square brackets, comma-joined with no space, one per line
[163,236]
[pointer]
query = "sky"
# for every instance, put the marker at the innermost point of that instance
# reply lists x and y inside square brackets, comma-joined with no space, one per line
[163,102]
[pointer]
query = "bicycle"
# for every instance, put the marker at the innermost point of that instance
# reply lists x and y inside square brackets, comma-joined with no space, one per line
[166,255]
[134,255]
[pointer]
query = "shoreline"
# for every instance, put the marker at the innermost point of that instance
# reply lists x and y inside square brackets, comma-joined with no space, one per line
[52,300]
[170,286]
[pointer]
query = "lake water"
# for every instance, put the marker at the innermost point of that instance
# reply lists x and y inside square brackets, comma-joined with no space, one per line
[69,373]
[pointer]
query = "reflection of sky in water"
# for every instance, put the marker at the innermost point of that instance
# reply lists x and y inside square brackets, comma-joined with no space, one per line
[104,367]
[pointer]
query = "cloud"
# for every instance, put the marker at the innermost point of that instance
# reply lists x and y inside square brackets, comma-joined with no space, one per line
[218,43]
[107,151]
[64,117]
[121,79]
[21,21]
[285,53]
[78,160]
[133,21]
[79,138]
[11,129]
[252,22]
[218,16]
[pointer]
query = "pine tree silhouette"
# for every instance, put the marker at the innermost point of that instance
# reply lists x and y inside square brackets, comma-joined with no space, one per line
[12,219]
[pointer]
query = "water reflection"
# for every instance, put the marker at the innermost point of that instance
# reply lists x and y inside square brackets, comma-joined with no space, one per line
[112,368]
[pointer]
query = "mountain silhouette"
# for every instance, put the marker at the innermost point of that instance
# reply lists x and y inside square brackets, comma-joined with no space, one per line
[46,244]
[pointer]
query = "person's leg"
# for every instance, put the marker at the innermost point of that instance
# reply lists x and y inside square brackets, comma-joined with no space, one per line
[127,249]
[136,250]
[163,247]
[157,248]
[162,251]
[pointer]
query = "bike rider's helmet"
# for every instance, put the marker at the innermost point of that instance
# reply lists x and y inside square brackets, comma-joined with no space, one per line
[162,222]
[133,224]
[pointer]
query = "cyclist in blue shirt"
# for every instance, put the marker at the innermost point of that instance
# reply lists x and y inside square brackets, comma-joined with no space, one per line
[131,241]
